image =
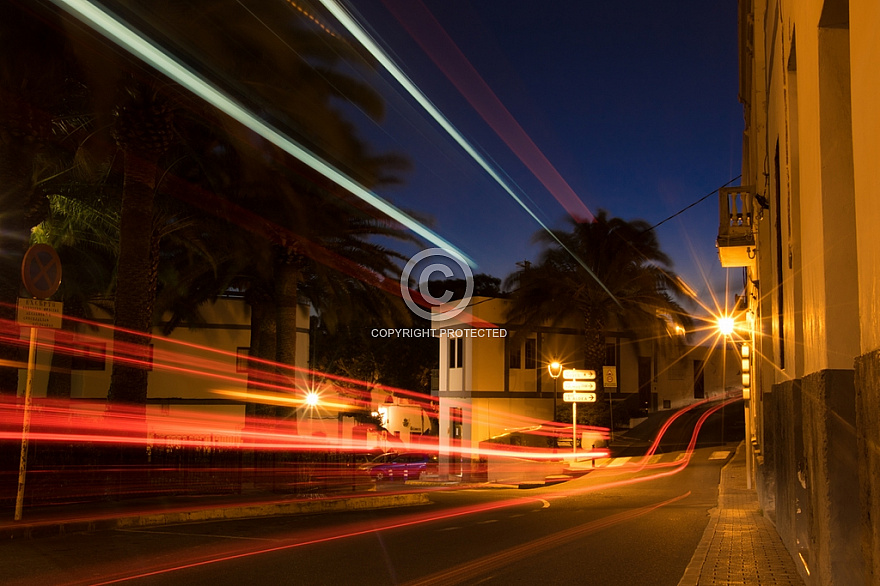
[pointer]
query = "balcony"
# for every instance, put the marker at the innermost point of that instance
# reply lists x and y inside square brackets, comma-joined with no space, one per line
[736,235]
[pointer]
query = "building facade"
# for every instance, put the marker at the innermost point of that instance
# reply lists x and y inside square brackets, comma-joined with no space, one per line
[194,373]
[499,382]
[803,228]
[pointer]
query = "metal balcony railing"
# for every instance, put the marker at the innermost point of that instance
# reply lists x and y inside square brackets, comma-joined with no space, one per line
[736,235]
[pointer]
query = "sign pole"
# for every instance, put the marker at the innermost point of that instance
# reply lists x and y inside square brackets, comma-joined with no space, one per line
[41,276]
[574,428]
[611,407]
[26,423]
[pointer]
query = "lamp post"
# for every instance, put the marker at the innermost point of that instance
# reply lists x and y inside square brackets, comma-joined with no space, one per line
[726,327]
[555,369]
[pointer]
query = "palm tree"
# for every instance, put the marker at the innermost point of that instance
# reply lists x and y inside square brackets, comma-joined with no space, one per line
[291,78]
[598,271]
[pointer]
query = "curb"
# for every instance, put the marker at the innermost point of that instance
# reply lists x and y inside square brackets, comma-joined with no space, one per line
[316,506]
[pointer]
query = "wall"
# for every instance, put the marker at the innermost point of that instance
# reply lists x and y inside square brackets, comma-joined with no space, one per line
[809,85]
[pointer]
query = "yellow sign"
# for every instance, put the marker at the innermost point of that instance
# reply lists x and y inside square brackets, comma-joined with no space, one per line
[39,313]
[609,376]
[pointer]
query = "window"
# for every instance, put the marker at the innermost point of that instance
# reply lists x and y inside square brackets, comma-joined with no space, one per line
[611,353]
[516,356]
[531,361]
[241,359]
[456,353]
[699,381]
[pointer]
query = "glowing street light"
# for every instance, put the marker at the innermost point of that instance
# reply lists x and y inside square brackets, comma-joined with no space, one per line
[555,369]
[312,399]
[726,325]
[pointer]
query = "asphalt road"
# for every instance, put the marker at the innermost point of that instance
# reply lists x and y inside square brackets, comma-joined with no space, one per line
[617,526]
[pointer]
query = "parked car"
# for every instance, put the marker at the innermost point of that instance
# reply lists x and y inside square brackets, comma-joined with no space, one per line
[405,466]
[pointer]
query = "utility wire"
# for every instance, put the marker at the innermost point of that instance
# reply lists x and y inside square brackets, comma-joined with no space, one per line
[693,204]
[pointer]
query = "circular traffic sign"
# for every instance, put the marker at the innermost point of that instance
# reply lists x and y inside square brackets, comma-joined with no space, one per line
[41,271]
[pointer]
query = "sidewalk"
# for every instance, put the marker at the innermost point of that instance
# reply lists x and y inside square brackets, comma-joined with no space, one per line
[48,521]
[740,546]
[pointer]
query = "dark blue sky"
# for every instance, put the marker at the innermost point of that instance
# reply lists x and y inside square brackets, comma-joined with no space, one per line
[634,103]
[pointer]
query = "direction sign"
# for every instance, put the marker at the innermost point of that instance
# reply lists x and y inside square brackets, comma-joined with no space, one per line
[41,271]
[573,374]
[578,385]
[579,397]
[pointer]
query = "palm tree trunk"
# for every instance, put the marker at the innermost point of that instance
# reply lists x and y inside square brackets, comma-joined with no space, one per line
[594,347]
[135,288]
[263,343]
[286,302]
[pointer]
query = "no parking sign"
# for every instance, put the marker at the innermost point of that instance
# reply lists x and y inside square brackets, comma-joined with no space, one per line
[41,271]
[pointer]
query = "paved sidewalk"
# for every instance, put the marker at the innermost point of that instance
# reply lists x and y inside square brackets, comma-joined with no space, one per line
[740,545]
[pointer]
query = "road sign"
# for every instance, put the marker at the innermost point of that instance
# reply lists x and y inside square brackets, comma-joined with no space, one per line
[578,385]
[41,271]
[579,374]
[39,313]
[609,376]
[579,397]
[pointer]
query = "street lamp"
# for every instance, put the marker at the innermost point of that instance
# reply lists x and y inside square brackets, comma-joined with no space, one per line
[726,325]
[555,369]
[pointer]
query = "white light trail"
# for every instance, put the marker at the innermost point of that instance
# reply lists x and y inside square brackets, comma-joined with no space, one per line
[129,39]
[361,35]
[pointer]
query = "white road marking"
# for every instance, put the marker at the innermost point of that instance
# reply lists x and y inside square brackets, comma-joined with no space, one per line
[618,462]
[720,455]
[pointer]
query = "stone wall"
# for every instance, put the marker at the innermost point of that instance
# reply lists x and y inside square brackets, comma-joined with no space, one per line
[811,453]
[867,382]
[831,475]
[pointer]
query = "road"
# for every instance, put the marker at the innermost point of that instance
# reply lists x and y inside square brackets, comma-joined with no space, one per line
[619,525]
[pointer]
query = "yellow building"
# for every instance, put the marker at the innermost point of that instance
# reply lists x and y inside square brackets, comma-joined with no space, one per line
[804,228]
[493,382]
[194,373]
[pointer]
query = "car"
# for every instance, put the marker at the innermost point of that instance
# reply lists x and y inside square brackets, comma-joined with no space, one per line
[405,466]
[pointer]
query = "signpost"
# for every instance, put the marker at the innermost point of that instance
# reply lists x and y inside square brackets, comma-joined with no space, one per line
[41,276]
[573,374]
[579,397]
[574,384]
[579,385]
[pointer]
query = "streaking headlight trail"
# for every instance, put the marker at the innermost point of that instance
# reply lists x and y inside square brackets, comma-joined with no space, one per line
[129,39]
[361,35]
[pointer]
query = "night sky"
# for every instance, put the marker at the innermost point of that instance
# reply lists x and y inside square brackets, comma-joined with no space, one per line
[633,103]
